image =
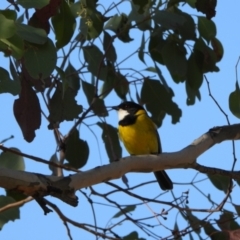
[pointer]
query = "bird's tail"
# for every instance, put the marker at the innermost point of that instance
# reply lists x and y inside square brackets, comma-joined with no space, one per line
[163,180]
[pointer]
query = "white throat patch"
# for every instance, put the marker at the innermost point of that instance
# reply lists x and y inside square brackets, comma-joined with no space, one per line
[122,114]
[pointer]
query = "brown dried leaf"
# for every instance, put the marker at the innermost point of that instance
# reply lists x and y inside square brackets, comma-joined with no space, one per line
[27,111]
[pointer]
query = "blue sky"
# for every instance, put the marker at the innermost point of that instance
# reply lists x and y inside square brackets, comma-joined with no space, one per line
[195,121]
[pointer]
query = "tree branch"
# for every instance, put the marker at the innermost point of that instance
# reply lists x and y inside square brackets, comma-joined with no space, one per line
[38,185]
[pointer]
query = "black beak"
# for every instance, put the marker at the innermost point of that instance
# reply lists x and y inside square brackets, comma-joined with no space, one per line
[115,108]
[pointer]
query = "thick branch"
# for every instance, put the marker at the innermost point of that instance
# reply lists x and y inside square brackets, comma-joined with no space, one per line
[38,185]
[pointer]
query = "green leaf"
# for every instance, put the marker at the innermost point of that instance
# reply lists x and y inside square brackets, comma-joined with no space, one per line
[7,27]
[191,94]
[206,56]
[125,210]
[63,107]
[159,101]
[64,80]
[77,150]
[142,4]
[161,77]
[207,7]
[234,101]
[141,49]
[108,47]
[14,46]
[121,26]
[109,83]
[142,19]
[17,196]
[217,48]
[98,106]
[33,3]
[194,73]
[168,19]
[176,233]
[95,59]
[12,161]
[9,14]
[7,85]
[156,45]
[40,60]
[188,28]
[72,77]
[174,56]
[206,28]
[132,236]
[220,182]
[121,85]
[53,159]
[91,24]
[193,221]
[114,23]
[31,34]
[111,141]
[64,24]
[237,208]
[191,3]
[226,221]
[213,233]
[9,215]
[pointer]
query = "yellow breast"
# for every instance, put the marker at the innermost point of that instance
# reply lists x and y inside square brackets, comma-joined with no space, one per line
[140,137]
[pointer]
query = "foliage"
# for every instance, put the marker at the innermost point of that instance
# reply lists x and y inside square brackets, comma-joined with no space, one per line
[40,44]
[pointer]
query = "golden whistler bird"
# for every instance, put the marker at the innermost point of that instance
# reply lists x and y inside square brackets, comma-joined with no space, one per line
[139,136]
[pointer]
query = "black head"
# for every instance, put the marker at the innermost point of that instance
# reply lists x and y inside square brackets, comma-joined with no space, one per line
[127,112]
[128,106]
